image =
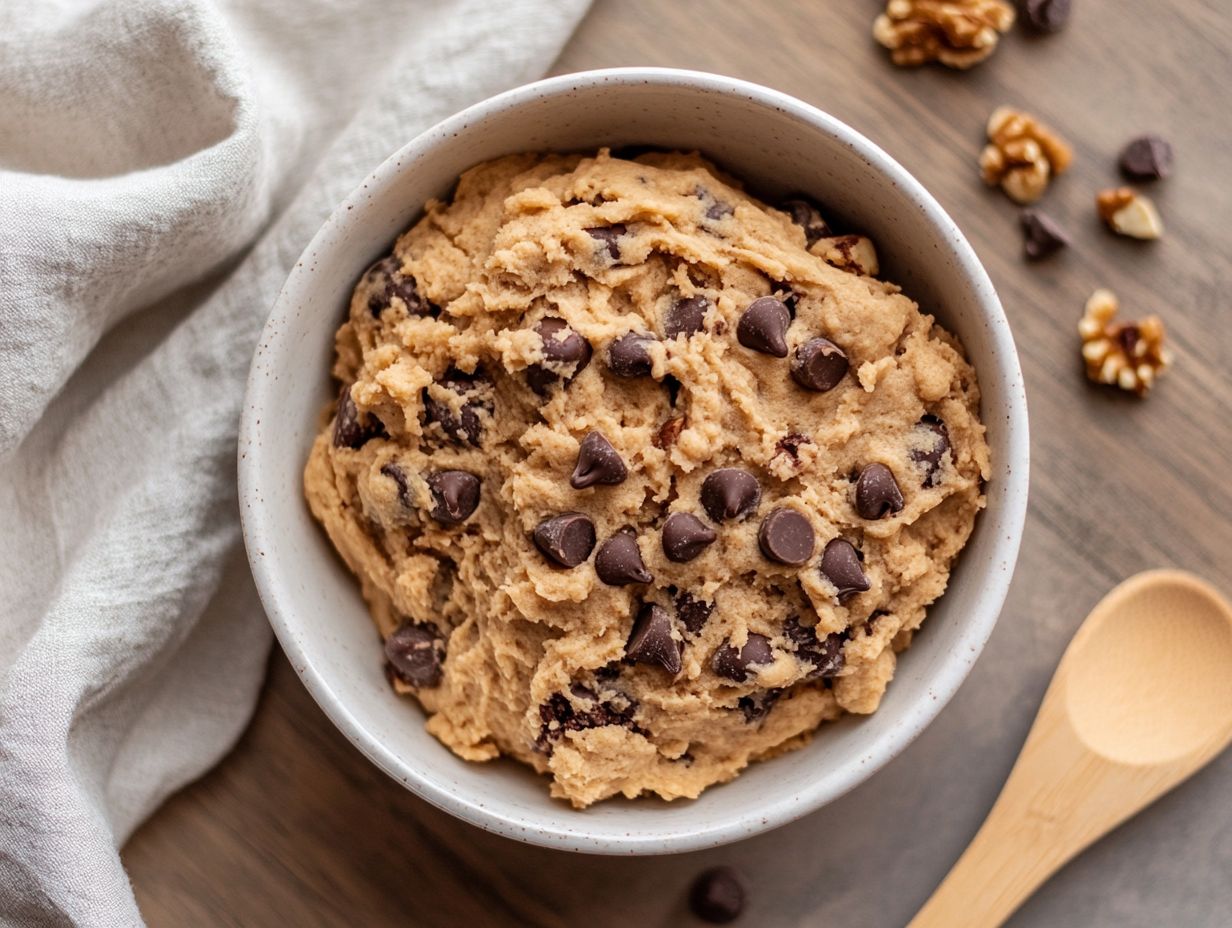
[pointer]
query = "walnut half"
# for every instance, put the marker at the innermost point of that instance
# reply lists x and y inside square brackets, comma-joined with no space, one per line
[1022,155]
[1129,355]
[956,33]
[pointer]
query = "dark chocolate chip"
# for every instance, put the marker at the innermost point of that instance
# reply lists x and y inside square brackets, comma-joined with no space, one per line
[629,355]
[651,641]
[729,493]
[693,613]
[395,473]
[562,345]
[566,539]
[1041,236]
[716,209]
[559,715]
[717,896]
[1127,339]
[825,654]
[808,217]
[934,443]
[1148,157]
[610,236]
[840,563]
[791,443]
[734,665]
[464,425]
[819,364]
[877,492]
[786,537]
[1045,15]
[415,652]
[686,316]
[350,429]
[455,494]
[763,327]
[597,462]
[386,281]
[756,706]
[619,560]
[685,536]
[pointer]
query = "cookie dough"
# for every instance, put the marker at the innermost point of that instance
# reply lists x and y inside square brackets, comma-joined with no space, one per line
[638,487]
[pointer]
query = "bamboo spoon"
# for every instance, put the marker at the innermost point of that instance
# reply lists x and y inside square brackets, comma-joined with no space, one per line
[1142,699]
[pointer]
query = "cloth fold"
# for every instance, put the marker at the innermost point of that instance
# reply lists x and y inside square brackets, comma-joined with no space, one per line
[162,165]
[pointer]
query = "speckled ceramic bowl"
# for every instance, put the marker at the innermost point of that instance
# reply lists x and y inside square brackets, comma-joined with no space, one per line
[778,145]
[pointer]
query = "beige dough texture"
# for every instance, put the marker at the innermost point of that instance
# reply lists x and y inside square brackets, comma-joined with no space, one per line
[538,387]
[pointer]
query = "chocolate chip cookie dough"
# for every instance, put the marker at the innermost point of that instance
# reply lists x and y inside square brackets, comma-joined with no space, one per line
[638,487]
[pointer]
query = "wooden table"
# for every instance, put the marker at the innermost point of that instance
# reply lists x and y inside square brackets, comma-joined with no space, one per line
[296,828]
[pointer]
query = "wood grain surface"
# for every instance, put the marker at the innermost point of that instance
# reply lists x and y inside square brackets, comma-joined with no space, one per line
[296,828]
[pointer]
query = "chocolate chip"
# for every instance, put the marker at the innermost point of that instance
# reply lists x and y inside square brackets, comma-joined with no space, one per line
[685,536]
[825,654]
[415,652]
[455,493]
[562,345]
[877,492]
[807,216]
[717,896]
[686,316]
[734,665]
[1045,15]
[619,560]
[1041,236]
[629,355]
[791,443]
[716,209]
[934,443]
[763,327]
[566,539]
[464,425]
[840,563]
[395,473]
[386,280]
[610,236]
[1148,157]
[559,715]
[729,493]
[1127,339]
[350,430]
[786,537]
[651,641]
[693,613]
[597,462]
[819,364]
[756,706]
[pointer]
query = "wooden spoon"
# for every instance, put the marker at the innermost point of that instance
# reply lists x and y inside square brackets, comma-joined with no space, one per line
[1142,699]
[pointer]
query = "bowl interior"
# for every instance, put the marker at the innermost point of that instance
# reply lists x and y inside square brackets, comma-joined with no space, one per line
[778,146]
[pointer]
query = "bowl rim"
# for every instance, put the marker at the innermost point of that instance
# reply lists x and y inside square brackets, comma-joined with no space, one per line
[954,667]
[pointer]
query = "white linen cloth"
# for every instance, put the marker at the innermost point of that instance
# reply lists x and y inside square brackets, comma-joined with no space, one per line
[162,165]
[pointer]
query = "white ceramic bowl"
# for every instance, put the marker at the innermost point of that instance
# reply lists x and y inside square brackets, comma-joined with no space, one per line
[778,145]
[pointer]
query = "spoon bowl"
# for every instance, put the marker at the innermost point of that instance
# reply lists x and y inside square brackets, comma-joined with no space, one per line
[1141,700]
[1150,676]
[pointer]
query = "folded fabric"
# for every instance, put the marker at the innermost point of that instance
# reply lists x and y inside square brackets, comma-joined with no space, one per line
[162,165]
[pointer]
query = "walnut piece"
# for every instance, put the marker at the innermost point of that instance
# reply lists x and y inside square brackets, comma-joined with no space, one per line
[956,33]
[1129,355]
[1022,155]
[1127,212]
[854,253]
